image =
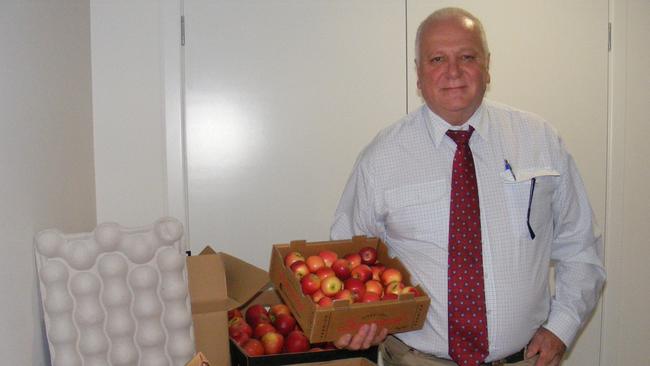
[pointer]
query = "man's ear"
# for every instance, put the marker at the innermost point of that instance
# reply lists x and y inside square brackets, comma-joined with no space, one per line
[487,67]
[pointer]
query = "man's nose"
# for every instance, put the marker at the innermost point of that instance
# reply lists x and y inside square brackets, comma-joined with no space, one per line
[453,69]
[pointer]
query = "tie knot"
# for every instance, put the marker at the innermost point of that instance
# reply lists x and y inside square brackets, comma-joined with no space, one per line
[461,138]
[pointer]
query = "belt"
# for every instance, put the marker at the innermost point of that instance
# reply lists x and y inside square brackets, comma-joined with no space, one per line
[513,358]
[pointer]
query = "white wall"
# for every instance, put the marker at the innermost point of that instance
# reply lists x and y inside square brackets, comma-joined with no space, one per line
[626,320]
[128,110]
[46,157]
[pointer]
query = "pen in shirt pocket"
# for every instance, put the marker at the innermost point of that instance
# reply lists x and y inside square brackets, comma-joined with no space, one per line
[508,167]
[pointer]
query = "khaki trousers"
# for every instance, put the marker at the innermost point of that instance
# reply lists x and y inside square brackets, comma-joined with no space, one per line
[395,353]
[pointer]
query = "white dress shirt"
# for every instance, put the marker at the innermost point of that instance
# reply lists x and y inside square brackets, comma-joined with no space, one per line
[399,191]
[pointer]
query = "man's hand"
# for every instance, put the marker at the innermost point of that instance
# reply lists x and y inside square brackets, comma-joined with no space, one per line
[366,336]
[550,348]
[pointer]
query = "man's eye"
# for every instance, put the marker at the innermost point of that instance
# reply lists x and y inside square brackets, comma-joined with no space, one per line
[468,58]
[437,59]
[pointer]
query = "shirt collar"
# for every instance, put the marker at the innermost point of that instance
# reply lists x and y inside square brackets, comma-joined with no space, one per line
[438,127]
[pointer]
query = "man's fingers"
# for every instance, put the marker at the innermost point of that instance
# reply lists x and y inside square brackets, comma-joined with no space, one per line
[380,337]
[343,341]
[357,339]
[370,336]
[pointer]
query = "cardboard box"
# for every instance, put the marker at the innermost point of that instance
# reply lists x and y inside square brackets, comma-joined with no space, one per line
[344,362]
[328,324]
[219,282]
[271,297]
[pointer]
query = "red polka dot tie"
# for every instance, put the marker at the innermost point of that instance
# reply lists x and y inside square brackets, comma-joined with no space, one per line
[468,341]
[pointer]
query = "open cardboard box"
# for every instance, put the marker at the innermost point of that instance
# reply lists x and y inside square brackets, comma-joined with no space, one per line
[328,324]
[219,282]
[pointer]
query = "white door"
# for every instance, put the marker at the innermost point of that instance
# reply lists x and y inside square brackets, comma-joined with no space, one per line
[282,95]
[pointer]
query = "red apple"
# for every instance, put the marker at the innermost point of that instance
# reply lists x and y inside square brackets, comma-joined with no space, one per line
[354,259]
[316,296]
[240,338]
[361,272]
[389,296]
[325,302]
[239,325]
[278,309]
[261,329]
[272,343]
[368,255]
[296,341]
[325,272]
[331,285]
[411,290]
[377,270]
[234,313]
[356,287]
[328,257]
[310,284]
[299,269]
[394,288]
[343,295]
[314,263]
[391,275]
[292,257]
[342,268]
[369,297]
[374,286]
[256,314]
[253,347]
[284,324]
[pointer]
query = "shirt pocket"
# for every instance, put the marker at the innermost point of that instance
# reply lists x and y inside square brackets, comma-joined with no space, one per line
[418,212]
[532,190]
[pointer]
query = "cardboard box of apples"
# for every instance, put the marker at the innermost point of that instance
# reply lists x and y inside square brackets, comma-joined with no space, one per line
[264,332]
[334,287]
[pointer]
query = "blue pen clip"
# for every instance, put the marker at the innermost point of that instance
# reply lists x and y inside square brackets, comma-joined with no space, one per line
[509,168]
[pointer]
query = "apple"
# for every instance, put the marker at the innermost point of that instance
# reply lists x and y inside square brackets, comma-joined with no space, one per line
[292,257]
[278,309]
[344,294]
[411,290]
[314,263]
[330,286]
[325,272]
[354,259]
[341,268]
[369,296]
[316,296]
[389,296]
[240,338]
[256,314]
[394,288]
[391,275]
[310,284]
[368,255]
[296,341]
[284,324]
[253,347]
[377,270]
[356,287]
[272,342]
[328,257]
[261,329]
[325,302]
[239,325]
[299,269]
[374,286]
[361,272]
[234,313]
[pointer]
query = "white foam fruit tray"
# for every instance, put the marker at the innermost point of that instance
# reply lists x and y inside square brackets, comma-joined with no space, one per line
[116,296]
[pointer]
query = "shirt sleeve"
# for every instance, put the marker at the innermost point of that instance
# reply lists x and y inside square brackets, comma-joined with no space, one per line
[577,253]
[355,214]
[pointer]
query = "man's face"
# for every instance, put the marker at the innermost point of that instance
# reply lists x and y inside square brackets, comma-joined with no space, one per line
[452,69]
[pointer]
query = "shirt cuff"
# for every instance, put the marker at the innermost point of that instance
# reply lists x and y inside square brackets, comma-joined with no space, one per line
[563,325]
